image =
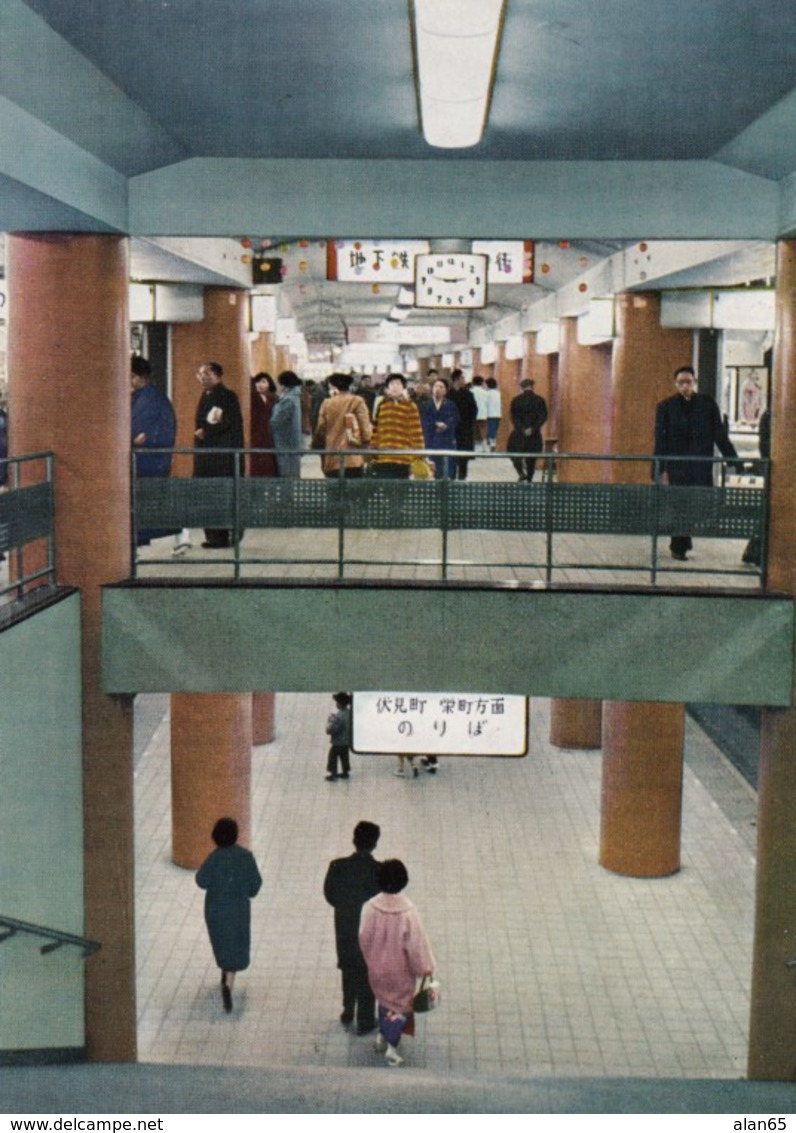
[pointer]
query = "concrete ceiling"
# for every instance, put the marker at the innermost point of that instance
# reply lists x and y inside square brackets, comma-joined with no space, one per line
[586,80]
[109,99]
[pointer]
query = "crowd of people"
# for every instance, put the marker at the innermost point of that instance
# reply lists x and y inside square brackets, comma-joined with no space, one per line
[396,429]
[382,946]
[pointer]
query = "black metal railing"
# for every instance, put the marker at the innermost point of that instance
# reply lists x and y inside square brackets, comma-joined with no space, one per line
[55,939]
[573,494]
[27,515]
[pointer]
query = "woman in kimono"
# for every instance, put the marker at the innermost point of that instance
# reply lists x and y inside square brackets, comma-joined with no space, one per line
[397,953]
[440,420]
[262,401]
[230,877]
[286,424]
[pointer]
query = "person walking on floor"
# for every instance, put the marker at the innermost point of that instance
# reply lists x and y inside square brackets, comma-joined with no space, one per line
[349,883]
[230,878]
[218,426]
[688,424]
[528,413]
[338,728]
[397,953]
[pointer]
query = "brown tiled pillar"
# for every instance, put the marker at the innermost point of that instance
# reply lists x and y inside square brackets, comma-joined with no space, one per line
[211,740]
[641,788]
[576,724]
[263,717]
[210,733]
[642,743]
[584,374]
[645,356]
[772,1033]
[584,424]
[220,337]
[507,372]
[263,353]
[68,365]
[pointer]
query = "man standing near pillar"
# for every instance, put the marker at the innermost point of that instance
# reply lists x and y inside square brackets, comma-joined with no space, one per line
[688,424]
[218,425]
[350,882]
[528,414]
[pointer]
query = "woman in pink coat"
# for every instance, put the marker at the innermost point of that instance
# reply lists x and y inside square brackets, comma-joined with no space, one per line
[397,953]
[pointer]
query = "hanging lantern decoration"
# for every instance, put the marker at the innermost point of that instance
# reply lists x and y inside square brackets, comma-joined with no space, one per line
[245,242]
[545,268]
[245,259]
[375,288]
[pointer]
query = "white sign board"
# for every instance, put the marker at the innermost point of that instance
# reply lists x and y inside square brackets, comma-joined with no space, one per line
[439,723]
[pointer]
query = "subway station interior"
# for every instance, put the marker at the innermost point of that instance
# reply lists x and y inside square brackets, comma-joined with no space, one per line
[262,184]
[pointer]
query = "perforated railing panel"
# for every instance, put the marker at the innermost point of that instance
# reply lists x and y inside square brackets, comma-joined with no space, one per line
[26,513]
[598,509]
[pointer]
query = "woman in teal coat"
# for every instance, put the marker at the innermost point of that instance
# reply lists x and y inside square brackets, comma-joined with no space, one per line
[231,878]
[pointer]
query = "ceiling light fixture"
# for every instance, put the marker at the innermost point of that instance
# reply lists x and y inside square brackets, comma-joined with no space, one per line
[456,45]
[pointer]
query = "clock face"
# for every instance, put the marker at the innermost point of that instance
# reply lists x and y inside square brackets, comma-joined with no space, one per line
[450,281]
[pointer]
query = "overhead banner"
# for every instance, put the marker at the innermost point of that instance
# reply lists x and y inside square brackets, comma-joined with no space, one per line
[510,261]
[373,261]
[439,723]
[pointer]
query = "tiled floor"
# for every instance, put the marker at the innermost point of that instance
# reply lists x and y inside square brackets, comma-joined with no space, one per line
[550,966]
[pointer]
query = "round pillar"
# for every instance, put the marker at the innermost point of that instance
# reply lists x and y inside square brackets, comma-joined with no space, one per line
[576,724]
[645,356]
[263,354]
[220,337]
[263,717]
[772,1031]
[642,784]
[211,739]
[69,391]
[584,424]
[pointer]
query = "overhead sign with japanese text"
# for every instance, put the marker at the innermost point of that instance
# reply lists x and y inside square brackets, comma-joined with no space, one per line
[373,261]
[439,723]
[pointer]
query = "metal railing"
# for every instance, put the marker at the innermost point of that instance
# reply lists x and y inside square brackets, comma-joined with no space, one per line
[27,515]
[10,927]
[561,500]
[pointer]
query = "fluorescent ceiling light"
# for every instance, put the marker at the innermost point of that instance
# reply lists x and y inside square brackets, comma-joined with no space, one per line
[456,42]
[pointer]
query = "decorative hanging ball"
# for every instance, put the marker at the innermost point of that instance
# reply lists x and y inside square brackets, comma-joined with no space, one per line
[545,268]
[302,265]
[303,243]
[582,287]
[283,269]
[245,242]
[642,247]
[583,261]
[245,259]
[265,242]
[563,243]
[375,288]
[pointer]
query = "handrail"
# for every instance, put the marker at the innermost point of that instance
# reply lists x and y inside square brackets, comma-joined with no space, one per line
[56,938]
[27,514]
[550,506]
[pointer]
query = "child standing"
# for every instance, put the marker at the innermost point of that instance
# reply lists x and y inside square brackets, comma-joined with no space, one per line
[338,728]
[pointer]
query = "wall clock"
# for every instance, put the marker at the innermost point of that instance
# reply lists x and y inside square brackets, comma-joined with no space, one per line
[450,280]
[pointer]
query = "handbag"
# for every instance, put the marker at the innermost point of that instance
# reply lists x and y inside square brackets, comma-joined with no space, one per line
[421,469]
[427,995]
[353,435]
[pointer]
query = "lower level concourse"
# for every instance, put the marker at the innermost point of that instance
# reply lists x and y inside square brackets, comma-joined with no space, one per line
[550,966]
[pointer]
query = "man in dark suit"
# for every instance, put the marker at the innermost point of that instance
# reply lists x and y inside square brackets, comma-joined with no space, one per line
[350,882]
[464,401]
[218,425]
[528,413]
[688,424]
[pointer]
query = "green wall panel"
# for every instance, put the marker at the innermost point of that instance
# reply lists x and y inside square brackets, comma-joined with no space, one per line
[615,645]
[41,815]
